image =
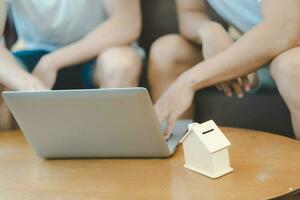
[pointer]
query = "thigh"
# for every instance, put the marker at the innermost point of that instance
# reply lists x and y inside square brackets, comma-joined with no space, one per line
[170,56]
[286,64]
[116,60]
[285,70]
[119,61]
[175,51]
[120,55]
[29,58]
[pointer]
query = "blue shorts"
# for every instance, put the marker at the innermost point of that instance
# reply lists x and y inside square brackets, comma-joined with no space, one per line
[75,77]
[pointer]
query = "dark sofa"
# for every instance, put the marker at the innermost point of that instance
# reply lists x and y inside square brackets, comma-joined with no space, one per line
[264,110]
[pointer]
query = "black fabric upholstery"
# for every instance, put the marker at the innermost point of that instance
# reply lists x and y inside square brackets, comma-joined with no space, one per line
[159,18]
[10,34]
[264,111]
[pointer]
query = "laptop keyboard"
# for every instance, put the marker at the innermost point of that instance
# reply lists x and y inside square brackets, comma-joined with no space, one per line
[179,130]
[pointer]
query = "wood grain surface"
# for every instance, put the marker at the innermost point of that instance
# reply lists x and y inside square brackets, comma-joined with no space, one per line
[265,165]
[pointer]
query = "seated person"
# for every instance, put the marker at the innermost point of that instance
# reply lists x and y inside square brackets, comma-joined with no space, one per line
[11,74]
[101,34]
[204,54]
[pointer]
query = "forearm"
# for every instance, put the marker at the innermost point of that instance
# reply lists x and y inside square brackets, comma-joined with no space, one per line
[246,55]
[106,35]
[11,72]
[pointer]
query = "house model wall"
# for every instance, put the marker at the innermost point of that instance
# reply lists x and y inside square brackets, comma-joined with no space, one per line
[206,150]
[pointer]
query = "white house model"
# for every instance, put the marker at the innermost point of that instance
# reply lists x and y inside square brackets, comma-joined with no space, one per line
[206,150]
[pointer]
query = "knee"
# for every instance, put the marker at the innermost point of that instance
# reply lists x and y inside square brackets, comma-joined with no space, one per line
[286,73]
[284,70]
[118,60]
[164,52]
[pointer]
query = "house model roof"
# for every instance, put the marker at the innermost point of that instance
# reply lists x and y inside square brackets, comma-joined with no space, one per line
[209,134]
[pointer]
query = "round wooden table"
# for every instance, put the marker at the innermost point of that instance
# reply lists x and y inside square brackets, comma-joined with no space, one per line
[265,166]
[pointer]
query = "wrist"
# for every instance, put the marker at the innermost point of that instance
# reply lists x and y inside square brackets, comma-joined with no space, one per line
[49,60]
[189,80]
[24,82]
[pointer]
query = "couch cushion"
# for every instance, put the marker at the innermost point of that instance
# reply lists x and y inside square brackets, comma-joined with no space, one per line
[159,18]
[264,111]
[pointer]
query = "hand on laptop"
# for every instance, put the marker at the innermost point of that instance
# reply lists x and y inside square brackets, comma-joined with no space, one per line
[27,83]
[175,101]
[35,85]
[46,72]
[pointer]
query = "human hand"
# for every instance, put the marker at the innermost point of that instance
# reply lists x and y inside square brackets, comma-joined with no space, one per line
[28,83]
[237,86]
[215,40]
[175,101]
[240,85]
[46,71]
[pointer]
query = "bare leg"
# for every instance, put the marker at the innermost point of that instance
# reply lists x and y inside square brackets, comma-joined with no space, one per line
[5,115]
[118,67]
[170,56]
[285,70]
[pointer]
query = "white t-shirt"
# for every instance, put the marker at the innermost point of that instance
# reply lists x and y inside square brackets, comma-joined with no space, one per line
[50,24]
[243,14]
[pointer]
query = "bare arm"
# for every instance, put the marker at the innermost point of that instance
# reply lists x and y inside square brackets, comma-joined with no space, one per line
[11,74]
[193,18]
[279,31]
[196,26]
[121,28]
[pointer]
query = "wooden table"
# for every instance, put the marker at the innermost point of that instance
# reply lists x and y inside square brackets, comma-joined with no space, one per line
[265,166]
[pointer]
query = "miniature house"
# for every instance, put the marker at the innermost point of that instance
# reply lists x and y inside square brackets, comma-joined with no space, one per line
[206,150]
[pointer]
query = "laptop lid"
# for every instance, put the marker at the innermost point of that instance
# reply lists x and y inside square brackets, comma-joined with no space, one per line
[89,123]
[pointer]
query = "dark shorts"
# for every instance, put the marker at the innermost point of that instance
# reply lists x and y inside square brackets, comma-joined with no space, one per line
[75,77]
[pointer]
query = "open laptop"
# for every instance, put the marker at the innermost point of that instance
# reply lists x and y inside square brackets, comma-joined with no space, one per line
[92,123]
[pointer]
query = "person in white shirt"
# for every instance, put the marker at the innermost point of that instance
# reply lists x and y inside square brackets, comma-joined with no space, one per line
[204,54]
[100,35]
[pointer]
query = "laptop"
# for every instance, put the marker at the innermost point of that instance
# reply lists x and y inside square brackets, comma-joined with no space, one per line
[92,123]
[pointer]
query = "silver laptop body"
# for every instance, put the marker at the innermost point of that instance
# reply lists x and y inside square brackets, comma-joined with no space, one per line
[92,123]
